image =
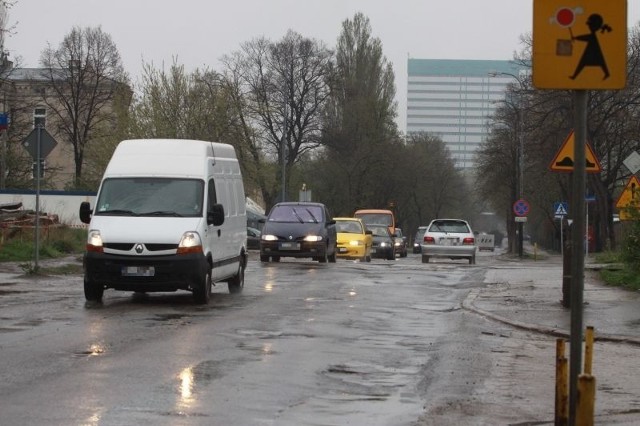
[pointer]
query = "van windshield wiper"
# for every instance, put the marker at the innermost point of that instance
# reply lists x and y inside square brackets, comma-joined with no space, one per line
[162,213]
[118,212]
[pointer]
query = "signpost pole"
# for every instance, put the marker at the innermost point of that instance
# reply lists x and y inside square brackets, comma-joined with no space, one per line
[577,242]
[37,219]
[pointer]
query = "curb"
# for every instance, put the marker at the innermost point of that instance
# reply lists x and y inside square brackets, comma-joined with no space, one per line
[468,305]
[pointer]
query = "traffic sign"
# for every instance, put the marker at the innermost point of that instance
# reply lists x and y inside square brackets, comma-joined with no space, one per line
[632,162]
[563,160]
[560,209]
[579,45]
[521,208]
[629,198]
[47,143]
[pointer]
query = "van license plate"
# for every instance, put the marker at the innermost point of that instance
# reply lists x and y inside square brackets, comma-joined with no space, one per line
[138,271]
[289,246]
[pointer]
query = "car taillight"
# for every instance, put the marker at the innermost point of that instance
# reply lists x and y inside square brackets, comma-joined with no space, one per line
[468,240]
[429,240]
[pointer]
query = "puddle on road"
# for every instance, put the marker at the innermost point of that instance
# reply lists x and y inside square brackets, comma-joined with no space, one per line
[94,349]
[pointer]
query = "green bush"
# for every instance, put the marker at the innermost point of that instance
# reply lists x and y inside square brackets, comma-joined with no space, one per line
[631,246]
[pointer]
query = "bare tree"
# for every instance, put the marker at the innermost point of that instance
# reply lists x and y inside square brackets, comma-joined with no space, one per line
[85,76]
[283,88]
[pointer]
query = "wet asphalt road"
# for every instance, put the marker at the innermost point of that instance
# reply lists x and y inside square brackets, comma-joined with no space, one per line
[305,344]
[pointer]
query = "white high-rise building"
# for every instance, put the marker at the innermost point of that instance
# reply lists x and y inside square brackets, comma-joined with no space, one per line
[453,99]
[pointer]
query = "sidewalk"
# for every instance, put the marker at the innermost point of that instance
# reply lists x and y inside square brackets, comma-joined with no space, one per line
[527,294]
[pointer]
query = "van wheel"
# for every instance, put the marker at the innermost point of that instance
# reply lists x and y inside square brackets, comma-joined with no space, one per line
[202,292]
[236,283]
[425,259]
[332,257]
[367,258]
[264,258]
[472,260]
[92,291]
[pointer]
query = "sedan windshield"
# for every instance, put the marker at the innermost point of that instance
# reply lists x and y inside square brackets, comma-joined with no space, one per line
[299,214]
[151,197]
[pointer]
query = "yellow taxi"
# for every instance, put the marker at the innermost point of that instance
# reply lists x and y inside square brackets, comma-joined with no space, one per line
[354,240]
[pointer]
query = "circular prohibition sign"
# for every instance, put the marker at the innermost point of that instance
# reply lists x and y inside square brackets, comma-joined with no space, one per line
[521,208]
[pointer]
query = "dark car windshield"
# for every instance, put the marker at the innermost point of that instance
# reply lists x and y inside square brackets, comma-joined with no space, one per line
[299,214]
[379,231]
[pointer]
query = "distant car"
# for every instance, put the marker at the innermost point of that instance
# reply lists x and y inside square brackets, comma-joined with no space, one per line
[383,244]
[299,229]
[253,238]
[400,243]
[417,239]
[354,239]
[450,238]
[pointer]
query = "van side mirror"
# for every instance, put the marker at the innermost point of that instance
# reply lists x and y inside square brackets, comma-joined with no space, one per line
[85,212]
[215,216]
[331,222]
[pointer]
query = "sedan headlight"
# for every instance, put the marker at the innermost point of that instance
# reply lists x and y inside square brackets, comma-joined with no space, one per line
[313,238]
[356,243]
[384,244]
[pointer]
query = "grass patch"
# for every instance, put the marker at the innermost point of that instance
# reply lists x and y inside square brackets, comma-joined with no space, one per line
[624,277]
[608,257]
[19,245]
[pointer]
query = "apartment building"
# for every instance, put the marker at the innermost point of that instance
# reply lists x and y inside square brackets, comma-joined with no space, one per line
[453,99]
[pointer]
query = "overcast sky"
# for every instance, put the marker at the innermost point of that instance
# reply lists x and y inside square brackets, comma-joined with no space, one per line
[199,32]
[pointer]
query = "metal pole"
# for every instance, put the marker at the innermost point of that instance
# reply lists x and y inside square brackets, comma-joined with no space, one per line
[283,153]
[521,173]
[577,241]
[37,227]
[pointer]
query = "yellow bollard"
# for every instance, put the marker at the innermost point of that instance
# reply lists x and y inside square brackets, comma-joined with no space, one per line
[562,389]
[588,350]
[585,408]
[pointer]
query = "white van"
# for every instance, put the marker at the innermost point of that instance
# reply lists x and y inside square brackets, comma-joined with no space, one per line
[169,215]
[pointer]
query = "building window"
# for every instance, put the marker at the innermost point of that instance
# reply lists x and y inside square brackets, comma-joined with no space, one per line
[39,117]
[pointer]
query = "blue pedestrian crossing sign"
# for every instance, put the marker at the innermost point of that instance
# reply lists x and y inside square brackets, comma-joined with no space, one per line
[560,209]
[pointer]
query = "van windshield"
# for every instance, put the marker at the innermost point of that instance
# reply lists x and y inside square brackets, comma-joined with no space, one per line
[151,197]
[376,218]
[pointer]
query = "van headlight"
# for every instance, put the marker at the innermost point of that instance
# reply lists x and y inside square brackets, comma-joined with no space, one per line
[269,237]
[190,243]
[313,238]
[94,241]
